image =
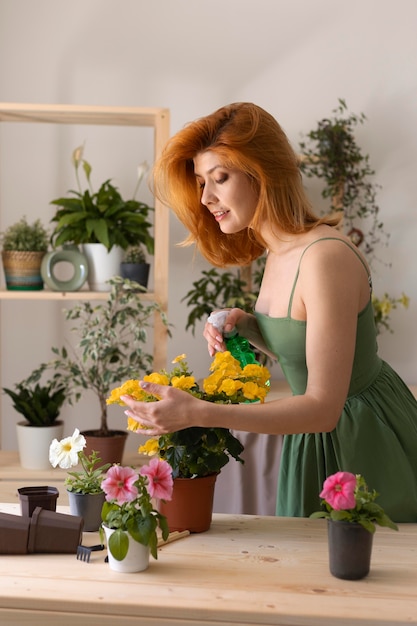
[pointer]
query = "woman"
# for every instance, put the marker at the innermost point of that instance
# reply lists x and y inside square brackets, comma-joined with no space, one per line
[233,180]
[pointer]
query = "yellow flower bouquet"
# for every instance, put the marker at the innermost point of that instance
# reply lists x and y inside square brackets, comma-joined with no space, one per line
[199,451]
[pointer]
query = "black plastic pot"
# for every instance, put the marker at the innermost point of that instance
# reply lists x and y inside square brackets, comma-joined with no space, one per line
[350,549]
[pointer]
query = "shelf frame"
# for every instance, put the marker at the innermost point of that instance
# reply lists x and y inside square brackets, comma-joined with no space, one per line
[154,117]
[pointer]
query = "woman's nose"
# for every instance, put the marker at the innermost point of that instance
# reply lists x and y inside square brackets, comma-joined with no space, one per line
[208,196]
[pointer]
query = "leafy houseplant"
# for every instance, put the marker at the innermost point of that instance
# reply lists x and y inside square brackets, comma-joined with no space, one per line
[24,246]
[331,154]
[40,404]
[347,498]
[85,494]
[103,216]
[109,348]
[25,237]
[68,453]
[196,452]
[128,509]
[351,513]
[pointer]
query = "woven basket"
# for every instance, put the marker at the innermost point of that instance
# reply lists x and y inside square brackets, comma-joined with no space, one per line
[22,270]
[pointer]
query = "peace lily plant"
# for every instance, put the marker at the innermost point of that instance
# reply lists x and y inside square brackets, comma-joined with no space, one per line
[195,451]
[347,498]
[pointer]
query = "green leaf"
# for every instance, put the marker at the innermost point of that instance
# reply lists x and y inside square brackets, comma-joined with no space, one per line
[118,544]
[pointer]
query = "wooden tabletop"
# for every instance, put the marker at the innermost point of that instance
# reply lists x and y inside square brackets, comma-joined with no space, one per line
[245,570]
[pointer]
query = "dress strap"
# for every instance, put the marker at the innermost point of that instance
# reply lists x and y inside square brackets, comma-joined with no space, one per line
[351,246]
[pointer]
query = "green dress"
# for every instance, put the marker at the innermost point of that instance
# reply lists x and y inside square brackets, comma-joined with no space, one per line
[376,435]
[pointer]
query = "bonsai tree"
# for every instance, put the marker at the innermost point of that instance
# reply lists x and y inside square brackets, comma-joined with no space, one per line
[25,237]
[109,348]
[40,404]
[103,216]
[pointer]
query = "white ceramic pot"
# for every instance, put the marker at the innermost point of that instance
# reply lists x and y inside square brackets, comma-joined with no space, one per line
[102,265]
[33,443]
[136,559]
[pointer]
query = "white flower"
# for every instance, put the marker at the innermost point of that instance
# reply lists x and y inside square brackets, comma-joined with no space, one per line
[65,452]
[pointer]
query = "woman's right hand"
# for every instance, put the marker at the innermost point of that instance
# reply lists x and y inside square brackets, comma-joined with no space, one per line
[214,337]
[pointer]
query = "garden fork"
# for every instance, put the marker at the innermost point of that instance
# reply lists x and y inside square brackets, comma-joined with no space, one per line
[84,552]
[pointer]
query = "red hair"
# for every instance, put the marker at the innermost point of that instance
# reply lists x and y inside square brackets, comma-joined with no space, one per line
[246,137]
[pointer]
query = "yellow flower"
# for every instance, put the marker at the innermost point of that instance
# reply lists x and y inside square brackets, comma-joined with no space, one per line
[183,382]
[179,358]
[158,378]
[129,388]
[150,447]
[133,425]
[230,387]
[404,300]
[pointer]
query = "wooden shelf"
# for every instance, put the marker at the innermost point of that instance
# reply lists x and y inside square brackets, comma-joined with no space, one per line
[154,117]
[6,294]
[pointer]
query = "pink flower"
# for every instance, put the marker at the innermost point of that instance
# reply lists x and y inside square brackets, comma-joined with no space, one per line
[160,482]
[120,484]
[338,490]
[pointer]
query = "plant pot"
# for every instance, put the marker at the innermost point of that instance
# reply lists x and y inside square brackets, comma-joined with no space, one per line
[33,444]
[45,531]
[350,549]
[22,270]
[102,265]
[110,448]
[191,507]
[139,272]
[88,506]
[136,559]
[33,497]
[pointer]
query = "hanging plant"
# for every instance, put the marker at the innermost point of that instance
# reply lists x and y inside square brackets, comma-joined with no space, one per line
[330,153]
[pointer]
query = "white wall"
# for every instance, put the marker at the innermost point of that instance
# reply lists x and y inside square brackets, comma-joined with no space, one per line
[293,57]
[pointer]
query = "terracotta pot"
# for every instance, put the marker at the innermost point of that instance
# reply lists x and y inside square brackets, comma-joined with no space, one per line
[88,506]
[136,559]
[110,449]
[32,497]
[191,507]
[350,549]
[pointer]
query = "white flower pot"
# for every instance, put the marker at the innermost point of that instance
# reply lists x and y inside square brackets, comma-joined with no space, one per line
[102,265]
[136,559]
[33,443]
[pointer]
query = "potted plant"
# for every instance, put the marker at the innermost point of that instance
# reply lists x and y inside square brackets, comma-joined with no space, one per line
[85,494]
[102,217]
[130,520]
[198,453]
[40,404]
[134,265]
[24,246]
[352,513]
[110,348]
[331,154]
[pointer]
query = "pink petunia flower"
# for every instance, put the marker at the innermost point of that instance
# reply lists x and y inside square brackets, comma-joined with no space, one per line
[160,481]
[120,484]
[338,490]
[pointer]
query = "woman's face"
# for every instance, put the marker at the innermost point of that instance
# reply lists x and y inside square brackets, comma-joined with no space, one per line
[226,192]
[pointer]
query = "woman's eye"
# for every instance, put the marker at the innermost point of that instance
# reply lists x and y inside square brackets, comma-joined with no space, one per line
[221,180]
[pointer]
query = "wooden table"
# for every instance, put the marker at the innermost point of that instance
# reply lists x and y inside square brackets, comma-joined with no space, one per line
[245,570]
